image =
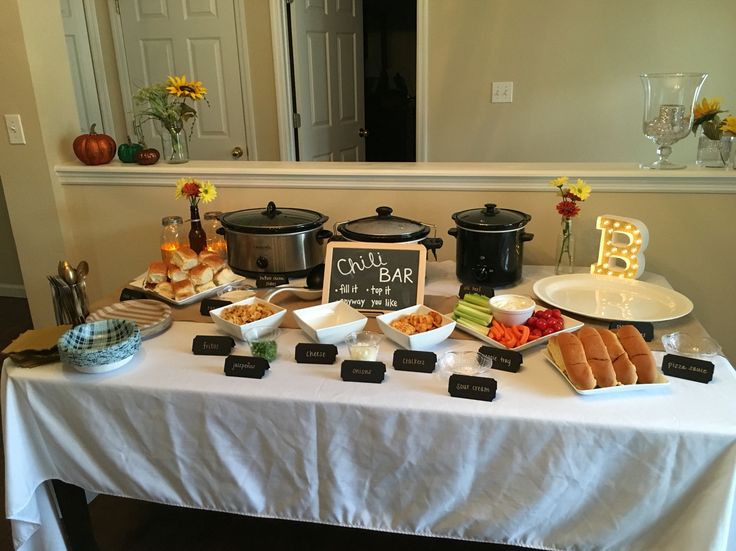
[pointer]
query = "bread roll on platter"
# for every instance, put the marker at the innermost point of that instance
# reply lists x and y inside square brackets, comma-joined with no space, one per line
[225,276]
[157,272]
[625,370]
[176,274]
[201,274]
[568,353]
[165,289]
[638,352]
[183,289]
[185,258]
[205,286]
[597,356]
[213,261]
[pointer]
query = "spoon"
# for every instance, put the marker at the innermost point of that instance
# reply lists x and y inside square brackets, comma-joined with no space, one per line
[69,274]
[82,270]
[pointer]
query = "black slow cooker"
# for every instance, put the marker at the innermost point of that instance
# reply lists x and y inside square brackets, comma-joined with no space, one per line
[490,245]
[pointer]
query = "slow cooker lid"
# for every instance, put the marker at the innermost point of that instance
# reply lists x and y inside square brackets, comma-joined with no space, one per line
[491,218]
[383,228]
[273,220]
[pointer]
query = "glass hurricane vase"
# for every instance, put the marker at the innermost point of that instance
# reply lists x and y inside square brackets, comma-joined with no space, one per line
[669,99]
[565,252]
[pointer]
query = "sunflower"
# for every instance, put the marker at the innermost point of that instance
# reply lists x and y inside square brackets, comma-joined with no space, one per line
[729,125]
[179,86]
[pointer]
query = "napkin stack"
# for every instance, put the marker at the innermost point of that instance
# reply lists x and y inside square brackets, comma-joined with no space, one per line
[36,346]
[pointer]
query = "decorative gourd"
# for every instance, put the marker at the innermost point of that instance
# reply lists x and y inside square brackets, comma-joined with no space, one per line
[148,156]
[127,151]
[94,148]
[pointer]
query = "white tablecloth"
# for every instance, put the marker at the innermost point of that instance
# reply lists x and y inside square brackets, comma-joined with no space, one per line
[540,466]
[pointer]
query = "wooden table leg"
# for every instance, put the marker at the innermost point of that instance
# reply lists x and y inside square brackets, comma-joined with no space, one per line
[75,516]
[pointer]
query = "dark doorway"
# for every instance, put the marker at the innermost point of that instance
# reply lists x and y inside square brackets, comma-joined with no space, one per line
[389,52]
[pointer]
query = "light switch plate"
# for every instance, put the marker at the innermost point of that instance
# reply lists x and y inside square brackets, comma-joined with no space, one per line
[502,92]
[15,129]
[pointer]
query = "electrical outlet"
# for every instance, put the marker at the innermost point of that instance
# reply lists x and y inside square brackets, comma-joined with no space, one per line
[502,92]
[15,129]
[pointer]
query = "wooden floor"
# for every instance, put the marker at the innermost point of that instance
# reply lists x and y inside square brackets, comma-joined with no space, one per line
[131,525]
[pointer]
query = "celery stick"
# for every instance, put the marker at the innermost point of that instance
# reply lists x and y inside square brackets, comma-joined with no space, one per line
[479,308]
[477,299]
[472,314]
[482,329]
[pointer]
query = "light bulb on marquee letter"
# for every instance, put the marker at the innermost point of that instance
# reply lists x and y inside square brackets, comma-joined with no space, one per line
[621,252]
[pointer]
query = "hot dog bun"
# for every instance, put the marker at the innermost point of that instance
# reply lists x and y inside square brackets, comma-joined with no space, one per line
[597,356]
[625,370]
[568,353]
[639,353]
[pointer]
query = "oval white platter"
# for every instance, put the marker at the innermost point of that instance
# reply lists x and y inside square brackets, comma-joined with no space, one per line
[612,298]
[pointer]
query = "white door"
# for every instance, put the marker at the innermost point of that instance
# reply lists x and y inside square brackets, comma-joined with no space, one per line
[196,38]
[80,61]
[327,51]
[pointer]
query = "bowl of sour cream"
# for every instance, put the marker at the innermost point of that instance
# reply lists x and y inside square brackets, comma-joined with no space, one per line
[511,309]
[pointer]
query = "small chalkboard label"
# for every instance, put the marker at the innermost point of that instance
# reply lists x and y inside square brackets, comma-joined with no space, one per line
[474,388]
[505,360]
[375,277]
[645,328]
[311,353]
[466,288]
[692,369]
[362,372]
[212,345]
[414,360]
[211,304]
[249,367]
[271,280]
[131,294]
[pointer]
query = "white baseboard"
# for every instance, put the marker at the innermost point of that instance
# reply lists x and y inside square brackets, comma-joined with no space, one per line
[12,290]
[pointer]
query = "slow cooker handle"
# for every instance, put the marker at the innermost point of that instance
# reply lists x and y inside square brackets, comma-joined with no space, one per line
[527,236]
[220,231]
[432,244]
[271,210]
[453,232]
[324,235]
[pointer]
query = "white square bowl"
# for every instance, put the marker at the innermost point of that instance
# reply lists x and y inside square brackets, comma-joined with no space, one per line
[238,331]
[330,323]
[418,341]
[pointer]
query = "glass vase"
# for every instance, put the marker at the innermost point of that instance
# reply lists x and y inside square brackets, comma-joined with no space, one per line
[713,153]
[174,145]
[565,253]
[197,235]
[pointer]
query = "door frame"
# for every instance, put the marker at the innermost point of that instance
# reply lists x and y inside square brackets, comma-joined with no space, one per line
[251,148]
[282,74]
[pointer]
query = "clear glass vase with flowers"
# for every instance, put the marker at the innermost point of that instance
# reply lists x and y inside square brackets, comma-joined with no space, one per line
[568,208]
[194,192]
[714,139]
[166,105]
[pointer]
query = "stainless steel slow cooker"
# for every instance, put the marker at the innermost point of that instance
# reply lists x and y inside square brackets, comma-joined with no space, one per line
[384,227]
[490,245]
[285,241]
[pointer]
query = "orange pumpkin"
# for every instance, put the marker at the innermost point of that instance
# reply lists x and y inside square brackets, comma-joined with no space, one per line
[94,148]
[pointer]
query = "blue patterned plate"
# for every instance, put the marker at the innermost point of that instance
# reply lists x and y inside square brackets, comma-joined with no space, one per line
[100,346]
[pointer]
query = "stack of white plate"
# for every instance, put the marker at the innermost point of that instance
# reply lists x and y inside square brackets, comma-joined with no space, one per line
[151,316]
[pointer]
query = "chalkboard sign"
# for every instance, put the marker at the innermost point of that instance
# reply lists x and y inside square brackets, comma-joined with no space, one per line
[375,277]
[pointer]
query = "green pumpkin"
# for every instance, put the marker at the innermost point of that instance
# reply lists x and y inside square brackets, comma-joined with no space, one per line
[127,151]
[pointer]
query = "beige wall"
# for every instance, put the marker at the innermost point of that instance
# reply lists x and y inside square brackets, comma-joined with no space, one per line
[11,280]
[688,232]
[575,65]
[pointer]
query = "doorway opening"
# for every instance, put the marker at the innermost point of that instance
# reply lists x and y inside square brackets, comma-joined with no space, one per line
[351,91]
[390,54]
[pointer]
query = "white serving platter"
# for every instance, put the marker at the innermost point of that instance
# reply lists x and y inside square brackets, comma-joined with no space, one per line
[612,298]
[661,382]
[138,283]
[570,325]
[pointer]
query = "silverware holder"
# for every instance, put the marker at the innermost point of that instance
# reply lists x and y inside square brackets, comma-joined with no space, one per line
[71,305]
